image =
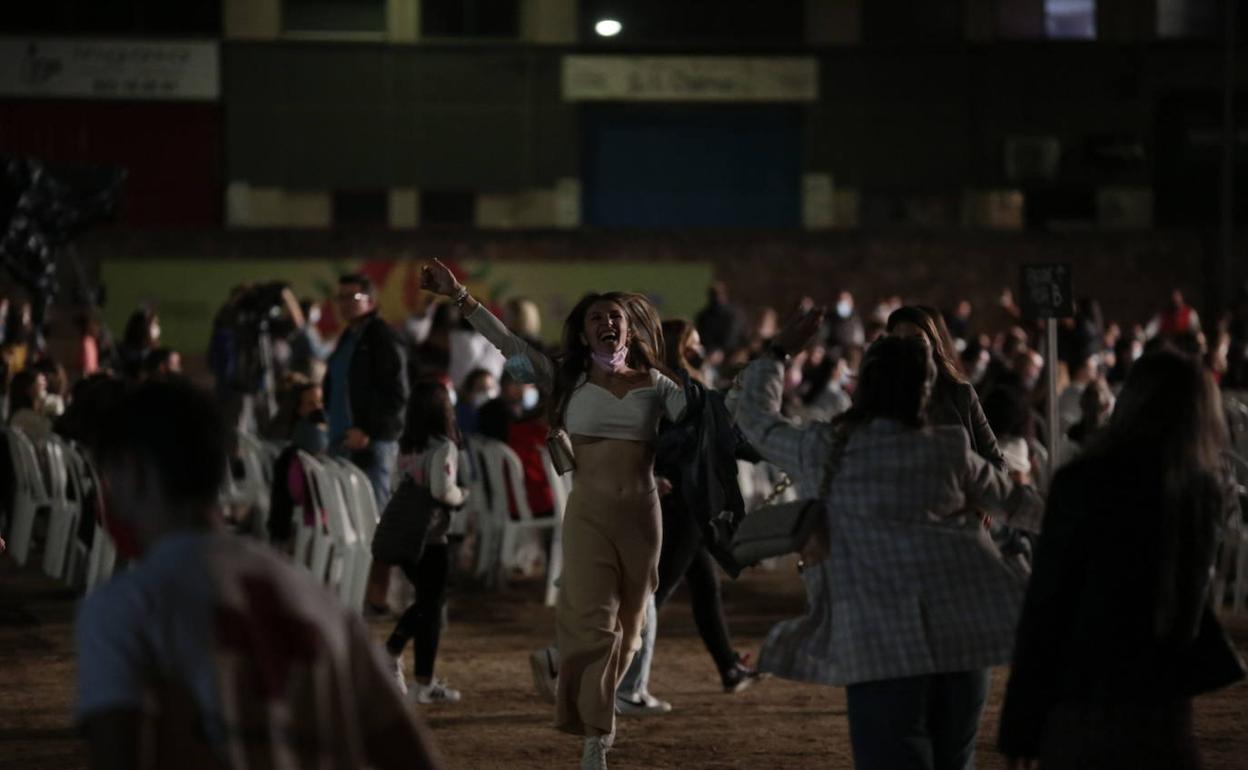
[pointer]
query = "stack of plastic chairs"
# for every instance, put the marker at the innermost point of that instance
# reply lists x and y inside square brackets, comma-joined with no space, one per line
[252,490]
[500,533]
[30,494]
[62,556]
[361,506]
[1233,559]
[337,548]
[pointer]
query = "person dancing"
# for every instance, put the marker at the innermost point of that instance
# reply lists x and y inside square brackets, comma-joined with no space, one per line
[608,391]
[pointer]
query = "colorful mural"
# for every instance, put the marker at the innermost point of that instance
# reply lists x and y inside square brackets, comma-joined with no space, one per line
[188,293]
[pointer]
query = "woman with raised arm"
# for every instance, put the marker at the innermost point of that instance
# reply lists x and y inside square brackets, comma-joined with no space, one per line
[608,392]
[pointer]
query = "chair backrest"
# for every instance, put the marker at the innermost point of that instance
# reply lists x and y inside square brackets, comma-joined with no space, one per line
[27,473]
[503,468]
[360,499]
[63,472]
[333,498]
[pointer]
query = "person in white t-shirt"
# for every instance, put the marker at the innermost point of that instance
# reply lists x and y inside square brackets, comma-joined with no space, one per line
[212,650]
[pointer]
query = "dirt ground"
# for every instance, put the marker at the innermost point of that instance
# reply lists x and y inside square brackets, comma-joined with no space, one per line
[501,724]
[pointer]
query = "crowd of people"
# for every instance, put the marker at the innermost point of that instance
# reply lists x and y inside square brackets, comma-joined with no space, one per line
[946,545]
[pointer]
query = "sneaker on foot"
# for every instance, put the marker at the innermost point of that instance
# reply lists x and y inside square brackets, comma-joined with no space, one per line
[594,755]
[739,675]
[545,673]
[436,691]
[640,704]
[399,678]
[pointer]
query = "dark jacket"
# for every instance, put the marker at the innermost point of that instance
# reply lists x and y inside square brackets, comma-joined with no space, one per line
[1086,634]
[956,403]
[377,382]
[699,454]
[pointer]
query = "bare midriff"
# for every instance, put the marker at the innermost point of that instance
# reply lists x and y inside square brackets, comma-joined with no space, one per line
[614,467]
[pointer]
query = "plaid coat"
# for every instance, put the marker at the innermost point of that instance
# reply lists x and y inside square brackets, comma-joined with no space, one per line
[911,586]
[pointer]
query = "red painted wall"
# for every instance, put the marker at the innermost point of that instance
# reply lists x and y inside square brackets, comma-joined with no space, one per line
[173,151]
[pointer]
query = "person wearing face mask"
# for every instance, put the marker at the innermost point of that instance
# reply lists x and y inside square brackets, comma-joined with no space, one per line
[514,419]
[310,434]
[479,388]
[608,390]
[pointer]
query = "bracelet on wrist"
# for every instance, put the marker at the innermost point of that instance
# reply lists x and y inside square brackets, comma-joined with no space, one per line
[461,296]
[779,353]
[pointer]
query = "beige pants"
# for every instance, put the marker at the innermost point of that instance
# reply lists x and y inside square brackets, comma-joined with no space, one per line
[610,571]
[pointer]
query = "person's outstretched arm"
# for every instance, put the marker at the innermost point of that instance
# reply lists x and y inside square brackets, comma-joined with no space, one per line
[437,278]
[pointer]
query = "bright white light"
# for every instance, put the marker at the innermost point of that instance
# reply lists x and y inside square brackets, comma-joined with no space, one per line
[608,27]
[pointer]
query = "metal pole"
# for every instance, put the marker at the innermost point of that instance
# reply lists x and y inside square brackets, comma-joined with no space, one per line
[1226,268]
[1050,379]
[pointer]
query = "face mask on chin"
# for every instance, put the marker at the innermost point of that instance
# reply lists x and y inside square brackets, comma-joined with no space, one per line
[530,398]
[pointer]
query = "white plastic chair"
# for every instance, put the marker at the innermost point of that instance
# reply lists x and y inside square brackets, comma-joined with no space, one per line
[361,505]
[503,469]
[335,547]
[561,488]
[1233,558]
[30,494]
[253,489]
[66,511]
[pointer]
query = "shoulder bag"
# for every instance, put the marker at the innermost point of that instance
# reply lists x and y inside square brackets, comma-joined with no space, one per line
[795,527]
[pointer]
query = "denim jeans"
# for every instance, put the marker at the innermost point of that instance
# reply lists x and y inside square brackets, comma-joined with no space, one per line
[637,678]
[920,722]
[377,460]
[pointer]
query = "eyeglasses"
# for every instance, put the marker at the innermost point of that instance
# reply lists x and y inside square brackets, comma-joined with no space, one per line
[358,296]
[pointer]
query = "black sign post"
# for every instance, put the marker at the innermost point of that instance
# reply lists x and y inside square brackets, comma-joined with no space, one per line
[1047,293]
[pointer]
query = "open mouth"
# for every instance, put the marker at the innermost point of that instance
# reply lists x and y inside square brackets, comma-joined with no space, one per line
[609,336]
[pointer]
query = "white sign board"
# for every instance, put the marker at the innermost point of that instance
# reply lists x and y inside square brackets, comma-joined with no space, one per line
[110,69]
[691,78]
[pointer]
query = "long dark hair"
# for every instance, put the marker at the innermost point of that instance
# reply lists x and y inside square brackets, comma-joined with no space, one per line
[894,382]
[138,332]
[676,334]
[644,345]
[19,390]
[948,368]
[429,416]
[1170,410]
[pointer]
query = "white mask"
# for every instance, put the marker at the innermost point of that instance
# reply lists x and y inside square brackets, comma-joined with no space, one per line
[530,399]
[844,309]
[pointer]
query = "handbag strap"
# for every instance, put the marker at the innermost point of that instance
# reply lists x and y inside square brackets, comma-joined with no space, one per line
[840,439]
[832,465]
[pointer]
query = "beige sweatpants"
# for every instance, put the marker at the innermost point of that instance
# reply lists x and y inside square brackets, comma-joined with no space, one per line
[610,570]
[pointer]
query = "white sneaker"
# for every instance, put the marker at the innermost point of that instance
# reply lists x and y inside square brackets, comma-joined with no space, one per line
[435,692]
[399,679]
[545,668]
[640,704]
[594,755]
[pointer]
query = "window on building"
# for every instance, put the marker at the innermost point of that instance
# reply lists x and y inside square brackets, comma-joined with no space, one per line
[334,15]
[1189,18]
[360,208]
[448,208]
[1070,19]
[470,18]
[919,21]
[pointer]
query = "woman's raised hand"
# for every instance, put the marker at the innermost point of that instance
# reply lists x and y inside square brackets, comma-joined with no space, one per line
[438,278]
[801,328]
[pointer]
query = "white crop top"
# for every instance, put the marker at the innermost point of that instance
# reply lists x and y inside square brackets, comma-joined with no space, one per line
[593,410]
